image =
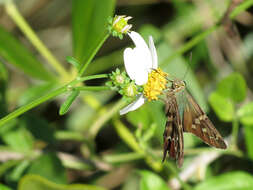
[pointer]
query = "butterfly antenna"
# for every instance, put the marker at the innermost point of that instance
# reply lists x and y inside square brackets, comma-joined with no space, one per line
[188,66]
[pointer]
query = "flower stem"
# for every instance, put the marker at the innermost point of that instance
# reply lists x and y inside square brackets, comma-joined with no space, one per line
[235,130]
[46,97]
[92,88]
[84,67]
[32,104]
[14,13]
[96,126]
[242,7]
[130,140]
[126,157]
[93,77]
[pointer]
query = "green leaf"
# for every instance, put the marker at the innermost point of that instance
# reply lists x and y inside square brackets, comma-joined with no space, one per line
[18,171]
[233,87]
[35,182]
[245,113]
[20,139]
[35,92]
[3,187]
[15,53]
[89,25]
[70,99]
[5,166]
[223,107]
[39,128]
[106,63]
[73,62]
[229,181]
[151,181]
[3,87]
[140,117]
[50,167]
[150,30]
[248,132]
[3,72]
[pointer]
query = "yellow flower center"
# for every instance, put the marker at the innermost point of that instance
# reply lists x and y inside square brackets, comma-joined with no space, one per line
[120,25]
[155,85]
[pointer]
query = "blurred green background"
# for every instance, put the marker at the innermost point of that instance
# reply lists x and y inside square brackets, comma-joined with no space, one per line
[91,147]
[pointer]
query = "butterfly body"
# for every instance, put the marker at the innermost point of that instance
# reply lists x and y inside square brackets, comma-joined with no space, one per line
[185,115]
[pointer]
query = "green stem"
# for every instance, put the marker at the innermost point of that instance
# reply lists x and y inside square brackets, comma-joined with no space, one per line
[127,157]
[127,136]
[69,135]
[46,97]
[240,8]
[92,88]
[31,105]
[93,77]
[30,34]
[84,67]
[187,46]
[96,126]
[130,140]
[235,130]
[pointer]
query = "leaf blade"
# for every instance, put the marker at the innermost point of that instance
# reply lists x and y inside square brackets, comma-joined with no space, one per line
[89,30]
[16,54]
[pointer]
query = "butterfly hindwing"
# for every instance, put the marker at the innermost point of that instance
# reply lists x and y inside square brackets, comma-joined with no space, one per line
[173,133]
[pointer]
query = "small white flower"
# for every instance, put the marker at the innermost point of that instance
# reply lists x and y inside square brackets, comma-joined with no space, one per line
[139,62]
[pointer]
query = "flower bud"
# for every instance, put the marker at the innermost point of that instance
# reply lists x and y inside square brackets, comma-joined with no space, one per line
[119,25]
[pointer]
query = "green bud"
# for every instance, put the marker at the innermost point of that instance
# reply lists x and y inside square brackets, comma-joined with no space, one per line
[130,90]
[119,25]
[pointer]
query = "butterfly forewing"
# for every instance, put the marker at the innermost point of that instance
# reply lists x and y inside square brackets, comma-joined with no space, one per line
[196,121]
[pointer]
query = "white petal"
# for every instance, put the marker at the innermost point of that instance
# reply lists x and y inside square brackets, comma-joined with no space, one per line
[153,53]
[141,44]
[133,106]
[135,70]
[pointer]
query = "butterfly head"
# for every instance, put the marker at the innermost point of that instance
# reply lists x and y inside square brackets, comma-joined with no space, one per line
[178,85]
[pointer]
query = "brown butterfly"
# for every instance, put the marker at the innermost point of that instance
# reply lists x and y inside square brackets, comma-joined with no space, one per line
[185,115]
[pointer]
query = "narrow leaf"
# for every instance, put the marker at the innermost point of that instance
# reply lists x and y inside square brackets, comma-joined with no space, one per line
[15,53]
[89,25]
[70,99]
[3,72]
[73,62]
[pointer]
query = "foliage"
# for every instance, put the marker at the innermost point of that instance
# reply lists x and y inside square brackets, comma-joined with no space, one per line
[59,116]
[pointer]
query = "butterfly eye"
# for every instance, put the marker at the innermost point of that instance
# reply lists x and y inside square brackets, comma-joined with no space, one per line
[184,82]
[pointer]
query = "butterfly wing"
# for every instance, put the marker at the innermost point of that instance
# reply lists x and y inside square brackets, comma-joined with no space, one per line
[173,133]
[196,121]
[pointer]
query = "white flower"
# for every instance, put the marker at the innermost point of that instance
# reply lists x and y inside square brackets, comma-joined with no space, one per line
[139,62]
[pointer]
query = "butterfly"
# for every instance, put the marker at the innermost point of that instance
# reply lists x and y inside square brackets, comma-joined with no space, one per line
[185,115]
